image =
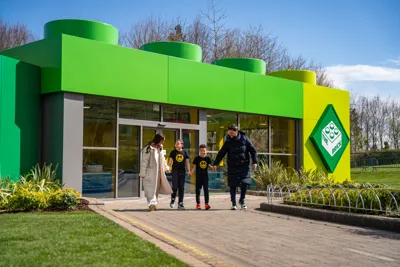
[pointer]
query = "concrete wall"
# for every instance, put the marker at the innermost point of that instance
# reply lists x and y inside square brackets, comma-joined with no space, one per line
[62,136]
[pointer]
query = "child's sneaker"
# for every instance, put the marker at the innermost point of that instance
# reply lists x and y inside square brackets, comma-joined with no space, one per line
[207,207]
[181,206]
[152,207]
[233,207]
[172,204]
[198,207]
[243,205]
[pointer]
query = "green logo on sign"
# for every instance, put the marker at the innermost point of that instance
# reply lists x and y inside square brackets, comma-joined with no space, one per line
[329,138]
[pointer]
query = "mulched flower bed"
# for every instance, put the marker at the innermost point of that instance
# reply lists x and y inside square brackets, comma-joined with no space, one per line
[83,205]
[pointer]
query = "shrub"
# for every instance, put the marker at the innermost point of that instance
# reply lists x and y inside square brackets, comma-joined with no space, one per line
[6,190]
[38,190]
[45,177]
[278,174]
[312,177]
[25,200]
[264,175]
[376,201]
[64,199]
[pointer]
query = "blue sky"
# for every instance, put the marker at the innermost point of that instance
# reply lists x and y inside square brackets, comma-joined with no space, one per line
[357,41]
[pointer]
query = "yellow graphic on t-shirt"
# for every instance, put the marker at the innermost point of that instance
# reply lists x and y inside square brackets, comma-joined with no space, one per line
[203,164]
[179,158]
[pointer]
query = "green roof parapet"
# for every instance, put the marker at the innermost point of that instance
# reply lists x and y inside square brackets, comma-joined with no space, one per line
[304,76]
[175,49]
[245,64]
[88,29]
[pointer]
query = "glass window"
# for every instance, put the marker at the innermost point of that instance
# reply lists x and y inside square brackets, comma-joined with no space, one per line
[283,135]
[218,180]
[262,157]
[191,145]
[180,114]
[99,123]
[256,128]
[139,111]
[128,161]
[217,127]
[287,161]
[98,173]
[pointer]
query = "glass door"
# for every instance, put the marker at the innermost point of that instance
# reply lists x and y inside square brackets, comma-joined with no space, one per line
[191,145]
[171,135]
[128,161]
[132,139]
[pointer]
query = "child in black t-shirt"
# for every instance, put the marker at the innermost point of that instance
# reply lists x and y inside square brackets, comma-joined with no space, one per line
[178,158]
[201,164]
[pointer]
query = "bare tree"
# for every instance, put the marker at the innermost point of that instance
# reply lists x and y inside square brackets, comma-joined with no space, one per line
[177,35]
[394,124]
[374,117]
[216,16]
[198,33]
[356,131]
[149,30]
[365,121]
[382,121]
[209,32]
[12,35]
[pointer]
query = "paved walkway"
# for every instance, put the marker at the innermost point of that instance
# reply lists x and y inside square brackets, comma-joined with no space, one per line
[256,238]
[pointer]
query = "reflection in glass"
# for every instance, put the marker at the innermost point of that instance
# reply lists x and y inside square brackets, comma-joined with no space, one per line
[180,114]
[128,161]
[217,127]
[262,159]
[256,128]
[217,180]
[147,136]
[99,123]
[139,111]
[191,145]
[283,135]
[287,161]
[98,179]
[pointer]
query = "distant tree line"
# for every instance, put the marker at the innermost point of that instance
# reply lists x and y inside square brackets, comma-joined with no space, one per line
[374,123]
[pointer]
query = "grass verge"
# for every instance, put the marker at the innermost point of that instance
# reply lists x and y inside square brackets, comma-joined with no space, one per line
[389,176]
[78,238]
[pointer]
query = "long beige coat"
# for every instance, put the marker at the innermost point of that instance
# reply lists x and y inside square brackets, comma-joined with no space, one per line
[151,169]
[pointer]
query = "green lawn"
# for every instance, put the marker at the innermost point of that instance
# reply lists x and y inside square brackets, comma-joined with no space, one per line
[389,176]
[73,239]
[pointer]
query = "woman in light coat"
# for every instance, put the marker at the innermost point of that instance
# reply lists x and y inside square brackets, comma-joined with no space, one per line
[152,170]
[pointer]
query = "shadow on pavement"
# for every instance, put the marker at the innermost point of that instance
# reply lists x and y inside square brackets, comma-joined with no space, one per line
[174,210]
[375,233]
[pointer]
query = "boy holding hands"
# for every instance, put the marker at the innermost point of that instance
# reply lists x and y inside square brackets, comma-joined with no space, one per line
[201,164]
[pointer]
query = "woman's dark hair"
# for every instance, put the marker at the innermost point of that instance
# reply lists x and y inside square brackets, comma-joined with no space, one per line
[158,138]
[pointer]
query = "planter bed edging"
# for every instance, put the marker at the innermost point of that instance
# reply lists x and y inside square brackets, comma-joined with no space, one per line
[362,220]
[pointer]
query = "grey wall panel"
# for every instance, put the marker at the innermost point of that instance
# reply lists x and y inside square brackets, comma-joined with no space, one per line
[73,141]
[203,127]
[52,130]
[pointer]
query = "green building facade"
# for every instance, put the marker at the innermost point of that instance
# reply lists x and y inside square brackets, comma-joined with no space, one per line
[79,100]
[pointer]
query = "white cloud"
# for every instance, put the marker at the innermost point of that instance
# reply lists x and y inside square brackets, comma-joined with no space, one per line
[343,75]
[396,62]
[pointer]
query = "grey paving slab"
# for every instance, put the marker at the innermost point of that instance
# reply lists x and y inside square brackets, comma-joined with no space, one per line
[256,238]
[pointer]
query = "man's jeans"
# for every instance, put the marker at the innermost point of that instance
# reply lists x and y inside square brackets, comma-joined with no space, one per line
[243,189]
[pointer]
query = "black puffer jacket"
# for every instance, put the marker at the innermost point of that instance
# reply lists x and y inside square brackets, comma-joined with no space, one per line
[239,151]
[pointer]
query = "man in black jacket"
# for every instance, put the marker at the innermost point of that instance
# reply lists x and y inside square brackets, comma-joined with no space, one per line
[239,149]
